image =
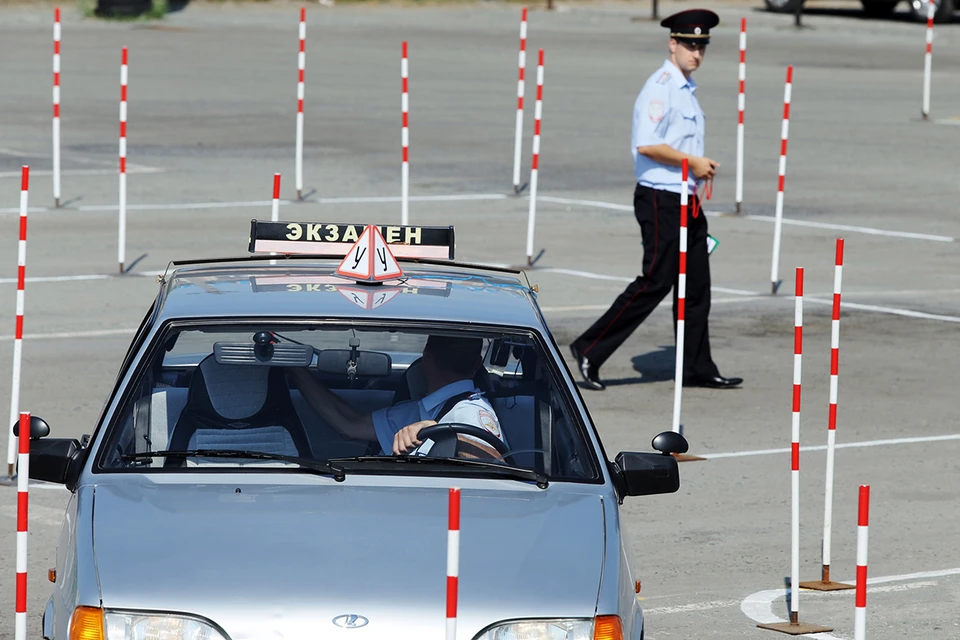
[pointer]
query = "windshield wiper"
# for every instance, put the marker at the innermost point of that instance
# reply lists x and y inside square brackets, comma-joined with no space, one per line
[501,469]
[314,465]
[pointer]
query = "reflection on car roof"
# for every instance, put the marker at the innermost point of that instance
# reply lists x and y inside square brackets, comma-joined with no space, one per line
[450,292]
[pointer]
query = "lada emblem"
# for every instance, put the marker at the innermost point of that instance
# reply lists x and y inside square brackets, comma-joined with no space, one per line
[350,621]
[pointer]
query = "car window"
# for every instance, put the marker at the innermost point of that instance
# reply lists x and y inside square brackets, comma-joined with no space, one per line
[270,388]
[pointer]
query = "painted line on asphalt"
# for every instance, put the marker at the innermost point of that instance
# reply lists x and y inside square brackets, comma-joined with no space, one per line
[242,204]
[84,172]
[98,333]
[759,606]
[666,302]
[685,608]
[92,276]
[907,313]
[474,197]
[839,445]
[788,221]
[723,604]
[852,228]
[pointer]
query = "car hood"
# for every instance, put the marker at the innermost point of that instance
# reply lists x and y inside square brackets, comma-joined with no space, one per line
[281,561]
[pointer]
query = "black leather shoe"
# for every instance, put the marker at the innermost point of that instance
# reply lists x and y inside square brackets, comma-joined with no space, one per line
[713,382]
[591,375]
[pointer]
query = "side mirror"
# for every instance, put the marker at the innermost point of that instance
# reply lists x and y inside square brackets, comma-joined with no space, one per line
[38,428]
[645,474]
[56,460]
[670,442]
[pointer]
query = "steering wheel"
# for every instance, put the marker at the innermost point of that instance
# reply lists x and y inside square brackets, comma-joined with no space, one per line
[438,431]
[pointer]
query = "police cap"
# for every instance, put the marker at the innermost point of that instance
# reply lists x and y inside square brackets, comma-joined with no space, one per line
[692,25]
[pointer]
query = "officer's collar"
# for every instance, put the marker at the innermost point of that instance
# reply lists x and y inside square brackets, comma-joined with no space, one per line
[677,76]
[441,395]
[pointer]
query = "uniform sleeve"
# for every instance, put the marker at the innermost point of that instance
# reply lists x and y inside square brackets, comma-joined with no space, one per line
[650,115]
[388,421]
[477,415]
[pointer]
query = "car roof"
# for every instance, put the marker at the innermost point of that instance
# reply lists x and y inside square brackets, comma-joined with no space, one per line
[299,287]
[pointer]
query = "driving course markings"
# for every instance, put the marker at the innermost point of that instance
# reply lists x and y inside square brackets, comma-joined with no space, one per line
[722,604]
[479,197]
[842,445]
[759,606]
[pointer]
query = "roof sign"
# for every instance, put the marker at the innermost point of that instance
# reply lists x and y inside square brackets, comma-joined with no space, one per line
[370,259]
[337,240]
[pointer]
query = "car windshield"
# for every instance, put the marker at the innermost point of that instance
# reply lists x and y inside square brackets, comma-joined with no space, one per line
[315,392]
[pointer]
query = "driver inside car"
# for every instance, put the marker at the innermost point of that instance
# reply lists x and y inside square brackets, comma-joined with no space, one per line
[448,366]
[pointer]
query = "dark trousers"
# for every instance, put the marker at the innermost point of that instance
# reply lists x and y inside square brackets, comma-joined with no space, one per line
[658,213]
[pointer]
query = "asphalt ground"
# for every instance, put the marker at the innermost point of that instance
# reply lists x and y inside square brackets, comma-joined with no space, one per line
[211,118]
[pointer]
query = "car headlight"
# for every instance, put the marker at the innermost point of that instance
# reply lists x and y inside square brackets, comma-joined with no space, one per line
[599,628]
[540,630]
[149,626]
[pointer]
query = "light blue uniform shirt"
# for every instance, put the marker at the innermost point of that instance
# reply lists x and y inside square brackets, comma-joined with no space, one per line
[475,411]
[667,112]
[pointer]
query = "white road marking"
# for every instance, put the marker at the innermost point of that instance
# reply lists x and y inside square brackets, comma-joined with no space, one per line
[696,606]
[908,313]
[88,276]
[92,276]
[723,604]
[798,223]
[98,333]
[243,204]
[839,445]
[84,172]
[759,606]
[666,302]
[468,197]
[587,203]
[852,228]
[37,513]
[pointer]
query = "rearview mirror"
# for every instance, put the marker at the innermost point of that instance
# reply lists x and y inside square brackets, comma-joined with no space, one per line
[358,363]
[38,428]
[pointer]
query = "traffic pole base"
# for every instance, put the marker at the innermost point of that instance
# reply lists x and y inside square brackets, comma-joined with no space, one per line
[795,628]
[686,457]
[828,585]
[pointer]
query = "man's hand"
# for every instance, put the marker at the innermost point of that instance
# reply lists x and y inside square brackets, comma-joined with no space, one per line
[703,168]
[406,440]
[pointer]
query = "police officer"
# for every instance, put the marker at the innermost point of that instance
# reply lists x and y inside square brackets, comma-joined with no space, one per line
[668,127]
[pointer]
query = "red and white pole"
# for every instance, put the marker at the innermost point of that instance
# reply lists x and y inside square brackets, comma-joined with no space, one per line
[18,333]
[535,167]
[863,519]
[405,140]
[520,89]
[453,560]
[778,223]
[23,484]
[832,414]
[741,102]
[275,209]
[795,454]
[928,59]
[301,63]
[681,296]
[122,240]
[56,107]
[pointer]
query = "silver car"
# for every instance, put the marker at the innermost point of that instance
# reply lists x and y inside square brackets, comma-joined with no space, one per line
[213,502]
